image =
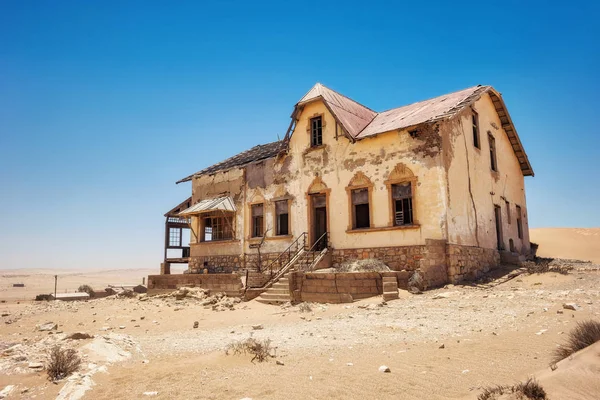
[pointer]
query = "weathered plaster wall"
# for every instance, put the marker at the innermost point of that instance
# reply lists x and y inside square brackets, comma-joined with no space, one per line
[474,188]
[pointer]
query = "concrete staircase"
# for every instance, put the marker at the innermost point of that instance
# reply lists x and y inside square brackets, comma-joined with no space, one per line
[390,288]
[278,293]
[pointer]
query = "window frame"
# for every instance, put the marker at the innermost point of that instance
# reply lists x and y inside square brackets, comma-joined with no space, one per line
[314,132]
[508,217]
[493,152]
[276,217]
[214,216]
[252,220]
[391,202]
[368,185]
[476,129]
[519,222]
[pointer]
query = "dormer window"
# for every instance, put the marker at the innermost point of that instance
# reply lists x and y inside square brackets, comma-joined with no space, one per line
[316,131]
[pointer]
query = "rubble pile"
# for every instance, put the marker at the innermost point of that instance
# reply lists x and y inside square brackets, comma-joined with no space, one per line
[217,301]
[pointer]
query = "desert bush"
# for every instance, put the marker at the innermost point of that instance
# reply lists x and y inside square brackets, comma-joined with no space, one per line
[304,307]
[260,350]
[63,362]
[86,289]
[529,390]
[583,335]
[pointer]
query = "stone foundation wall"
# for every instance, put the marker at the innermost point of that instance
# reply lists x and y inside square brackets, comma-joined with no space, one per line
[257,279]
[231,284]
[228,263]
[469,263]
[397,258]
[342,287]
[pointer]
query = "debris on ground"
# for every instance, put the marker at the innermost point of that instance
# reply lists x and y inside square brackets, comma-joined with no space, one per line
[366,265]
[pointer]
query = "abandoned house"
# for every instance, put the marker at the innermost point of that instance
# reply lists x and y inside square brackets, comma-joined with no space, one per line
[436,186]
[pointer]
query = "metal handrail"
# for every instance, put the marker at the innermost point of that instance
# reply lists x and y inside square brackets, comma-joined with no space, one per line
[310,253]
[288,252]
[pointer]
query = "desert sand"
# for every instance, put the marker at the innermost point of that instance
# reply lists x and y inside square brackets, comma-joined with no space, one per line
[447,343]
[575,243]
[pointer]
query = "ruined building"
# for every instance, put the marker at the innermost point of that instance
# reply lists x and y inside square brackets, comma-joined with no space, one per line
[436,186]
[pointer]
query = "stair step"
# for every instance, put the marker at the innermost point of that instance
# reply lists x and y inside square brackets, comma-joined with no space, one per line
[271,301]
[285,291]
[275,296]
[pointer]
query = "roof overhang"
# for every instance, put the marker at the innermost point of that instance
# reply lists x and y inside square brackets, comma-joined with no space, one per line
[217,204]
[511,132]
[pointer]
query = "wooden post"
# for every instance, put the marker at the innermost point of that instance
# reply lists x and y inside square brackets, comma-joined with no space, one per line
[55,283]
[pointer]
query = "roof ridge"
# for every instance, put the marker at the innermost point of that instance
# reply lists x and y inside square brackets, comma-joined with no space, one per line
[431,98]
[343,95]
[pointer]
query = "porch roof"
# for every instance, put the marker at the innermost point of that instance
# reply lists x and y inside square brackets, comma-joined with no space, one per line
[220,203]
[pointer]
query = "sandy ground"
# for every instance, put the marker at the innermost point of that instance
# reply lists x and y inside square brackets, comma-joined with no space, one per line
[39,281]
[579,243]
[491,335]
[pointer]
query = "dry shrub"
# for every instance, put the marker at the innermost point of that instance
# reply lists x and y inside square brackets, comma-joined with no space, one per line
[304,308]
[63,362]
[86,289]
[583,335]
[260,350]
[529,390]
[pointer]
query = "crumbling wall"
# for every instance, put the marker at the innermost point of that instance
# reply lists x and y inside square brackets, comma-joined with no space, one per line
[231,284]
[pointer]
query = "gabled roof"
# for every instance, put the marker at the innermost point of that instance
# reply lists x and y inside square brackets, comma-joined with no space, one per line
[353,116]
[361,122]
[255,154]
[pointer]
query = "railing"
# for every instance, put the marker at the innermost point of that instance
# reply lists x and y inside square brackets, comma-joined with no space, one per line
[314,251]
[284,257]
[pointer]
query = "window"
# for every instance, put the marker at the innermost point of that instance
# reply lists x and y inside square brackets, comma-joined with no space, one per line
[402,203]
[175,237]
[257,220]
[475,120]
[498,217]
[507,211]
[282,218]
[493,163]
[360,209]
[316,131]
[218,228]
[519,223]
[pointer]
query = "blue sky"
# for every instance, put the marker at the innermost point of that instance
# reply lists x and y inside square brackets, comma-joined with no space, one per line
[105,104]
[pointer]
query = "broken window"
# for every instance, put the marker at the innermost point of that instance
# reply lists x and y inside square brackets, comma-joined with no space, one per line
[498,217]
[507,211]
[402,202]
[316,131]
[475,121]
[519,223]
[493,163]
[257,220]
[218,228]
[360,209]
[282,217]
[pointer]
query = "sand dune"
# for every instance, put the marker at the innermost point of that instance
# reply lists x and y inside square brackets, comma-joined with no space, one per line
[577,243]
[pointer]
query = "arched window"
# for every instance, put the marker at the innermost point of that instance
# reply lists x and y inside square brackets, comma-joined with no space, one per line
[359,201]
[401,185]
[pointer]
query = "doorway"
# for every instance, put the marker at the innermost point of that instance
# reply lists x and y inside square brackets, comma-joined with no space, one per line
[319,221]
[498,215]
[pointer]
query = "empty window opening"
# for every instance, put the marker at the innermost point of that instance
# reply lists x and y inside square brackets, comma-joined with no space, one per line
[282,217]
[498,217]
[402,201]
[218,228]
[519,223]
[511,243]
[360,208]
[257,220]
[475,121]
[508,219]
[493,163]
[316,131]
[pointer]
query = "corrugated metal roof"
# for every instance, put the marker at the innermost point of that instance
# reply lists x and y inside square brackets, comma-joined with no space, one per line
[220,203]
[353,116]
[421,112]
[257,153]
